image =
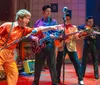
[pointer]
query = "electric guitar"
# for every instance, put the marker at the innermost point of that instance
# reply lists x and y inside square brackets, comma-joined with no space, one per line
[59,40]
[37,47]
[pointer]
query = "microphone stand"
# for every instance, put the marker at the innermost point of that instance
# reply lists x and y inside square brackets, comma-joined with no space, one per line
[63,64]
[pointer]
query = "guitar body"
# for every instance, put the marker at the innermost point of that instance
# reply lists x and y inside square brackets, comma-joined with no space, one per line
[36,47]
[85,33]
[69,31]
[58,43]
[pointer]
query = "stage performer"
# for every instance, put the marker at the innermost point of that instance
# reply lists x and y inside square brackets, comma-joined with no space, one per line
[48,52]
[9,32]
[70,48]
[90,46]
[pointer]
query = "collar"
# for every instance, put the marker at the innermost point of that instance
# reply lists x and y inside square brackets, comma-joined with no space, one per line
[47,19]
[16,24]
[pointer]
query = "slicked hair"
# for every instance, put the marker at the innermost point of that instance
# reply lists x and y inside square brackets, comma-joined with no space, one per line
[45,7]
[89,17]
[68,15]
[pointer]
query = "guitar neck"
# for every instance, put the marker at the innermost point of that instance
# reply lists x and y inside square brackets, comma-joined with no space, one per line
[67,35]
[72,33]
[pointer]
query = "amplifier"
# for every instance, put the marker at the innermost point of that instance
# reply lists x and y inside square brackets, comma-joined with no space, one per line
[29,66]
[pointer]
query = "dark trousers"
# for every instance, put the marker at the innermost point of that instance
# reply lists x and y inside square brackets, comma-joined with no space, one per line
[47,53]
[74,59]
[90,47]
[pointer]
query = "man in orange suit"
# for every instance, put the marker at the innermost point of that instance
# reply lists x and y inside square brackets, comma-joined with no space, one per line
[9,32]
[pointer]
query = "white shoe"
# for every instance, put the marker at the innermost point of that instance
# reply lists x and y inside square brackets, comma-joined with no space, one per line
[81,82]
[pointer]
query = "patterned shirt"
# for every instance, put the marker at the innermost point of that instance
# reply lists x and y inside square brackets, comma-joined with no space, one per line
[47,22]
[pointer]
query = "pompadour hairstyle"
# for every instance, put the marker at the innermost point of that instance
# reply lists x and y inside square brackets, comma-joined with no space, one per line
[45,7]
[22,13]
[68,15]
[89,17]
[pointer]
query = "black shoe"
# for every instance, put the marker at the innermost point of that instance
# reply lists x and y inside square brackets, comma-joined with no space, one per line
[96,77]
[81,82]
[55,84]
[34,84]
[59,81]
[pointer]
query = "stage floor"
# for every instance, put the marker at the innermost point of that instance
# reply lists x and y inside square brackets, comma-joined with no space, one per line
[70,77]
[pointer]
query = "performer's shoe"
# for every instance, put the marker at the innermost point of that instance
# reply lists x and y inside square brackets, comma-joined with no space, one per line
[34,84]
[96,77]
[62,84]
[55,84]
[81,82]
[59,81]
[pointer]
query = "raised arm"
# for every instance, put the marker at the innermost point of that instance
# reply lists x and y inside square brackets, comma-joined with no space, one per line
[45,28]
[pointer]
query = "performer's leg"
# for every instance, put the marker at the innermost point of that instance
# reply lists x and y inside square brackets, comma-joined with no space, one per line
[52,65]
[59,64]
[39,60]
[84,60]
[7,56]
[74,58]
[11,72]
[95,62]
[60,61]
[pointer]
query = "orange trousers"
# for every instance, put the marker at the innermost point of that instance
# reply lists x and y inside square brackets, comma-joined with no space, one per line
[9,65]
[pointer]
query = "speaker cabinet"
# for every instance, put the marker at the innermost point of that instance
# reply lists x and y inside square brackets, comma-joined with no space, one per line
[29,66]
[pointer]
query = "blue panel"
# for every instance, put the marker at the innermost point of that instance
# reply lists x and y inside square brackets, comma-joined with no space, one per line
[93,9]
[31,65]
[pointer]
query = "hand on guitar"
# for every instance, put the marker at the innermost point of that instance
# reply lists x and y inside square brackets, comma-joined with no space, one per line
[52,36]
[35,40]
[36,47]
[82,34]
[86,32]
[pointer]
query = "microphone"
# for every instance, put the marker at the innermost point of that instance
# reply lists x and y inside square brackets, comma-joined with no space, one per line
[65,9]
